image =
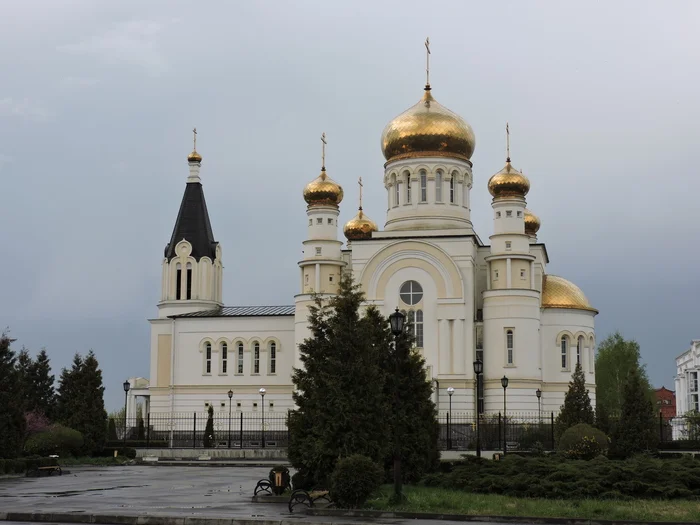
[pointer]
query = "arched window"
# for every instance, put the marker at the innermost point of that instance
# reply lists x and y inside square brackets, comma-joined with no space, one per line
[407,176]
[189,281]
[397,193]
[591,353]
[579,351]
[272,351]
[423,186]
[240,358]
[224,358]
[438,186]
[178,282]
[565,352]
[207,358]
[419,328]
[256,358]
[509,347]
[452,187]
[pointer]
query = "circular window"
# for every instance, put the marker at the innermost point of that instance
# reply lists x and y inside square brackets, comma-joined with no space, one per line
[411,293]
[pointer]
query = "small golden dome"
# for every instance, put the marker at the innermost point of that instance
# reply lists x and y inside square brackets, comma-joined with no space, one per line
[508,182]
[532,223]
[428,129]
[194,157]
[323,191]
[557,292]
[359,227]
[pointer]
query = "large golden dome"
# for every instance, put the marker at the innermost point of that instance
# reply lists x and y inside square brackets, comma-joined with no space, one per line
[508,182]
[532,223]
[428,129]
[194,157]
[323,191]
[359,227]
[557,292]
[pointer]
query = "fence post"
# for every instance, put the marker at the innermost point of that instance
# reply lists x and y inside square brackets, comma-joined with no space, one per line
[241,431]
[499,431]
[194,431]
[148,430]
[661,427]
[552,429]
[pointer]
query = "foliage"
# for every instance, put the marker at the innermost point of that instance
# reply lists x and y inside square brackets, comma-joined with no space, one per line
[616,358]
[42,396]
[12,423]
[127,452]
[641,477]
[112,430]
[141,428]
[636,430]
[57,439]
[577,404]
[133,443]
[354,479]
[36,422]
[301,480]
[209,429]
[81,401]
[583,442]
[23,367]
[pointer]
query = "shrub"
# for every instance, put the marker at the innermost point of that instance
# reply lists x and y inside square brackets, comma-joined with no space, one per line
[2,466]
[209,429]
[302,480]
[582,441]
[353,481]
[57,439]
[127,452]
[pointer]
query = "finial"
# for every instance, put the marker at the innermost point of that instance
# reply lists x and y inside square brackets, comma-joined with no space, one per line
[194,131]
[360,183]
[507,143]
[323,151]
[427,64]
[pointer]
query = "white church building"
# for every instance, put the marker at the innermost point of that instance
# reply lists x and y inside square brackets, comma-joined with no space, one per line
[465,299]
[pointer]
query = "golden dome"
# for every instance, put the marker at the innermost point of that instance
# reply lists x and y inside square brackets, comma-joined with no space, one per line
[557,292]
[428,129]
[359,227]
[508,182]
[194,157]
[532,222]
[323,191]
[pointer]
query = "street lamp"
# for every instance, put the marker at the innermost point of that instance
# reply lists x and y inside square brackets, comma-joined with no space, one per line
[230,395]
[262,395]
[396,321]
[478,370]
[450,391]
[538,393]
[126,386]
[504,384]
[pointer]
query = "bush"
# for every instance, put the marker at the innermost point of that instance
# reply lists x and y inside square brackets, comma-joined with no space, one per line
[354,479]
[127,452]
[57,439]
[582,441]
[302,480]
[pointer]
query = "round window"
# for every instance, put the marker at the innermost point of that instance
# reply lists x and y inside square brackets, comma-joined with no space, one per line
[411,293]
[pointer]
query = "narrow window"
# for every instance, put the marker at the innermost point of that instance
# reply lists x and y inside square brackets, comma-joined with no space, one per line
[522,274]
[311,222]
[423,186]
[240,358]
[273,358]
[411,322]
[452,189]
[396,192]
[207,358]
[189,281]
[579,350]
[520,214]
[438,186]
[178,283]
[591,353]
[495,275]
[224,358]
[419,328]
[408,187]
[508,245]
[319,220]
[509,213]
[498,214]
[330,221]
[306,278]
[509,346]
[256,358]
[564,352]
[318,251]
[330,278]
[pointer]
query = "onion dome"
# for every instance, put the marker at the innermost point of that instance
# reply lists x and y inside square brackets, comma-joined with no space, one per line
[194,157]
[532,223]
[557,292]
[508,182]
[428,129]
[323,191]
[359,227]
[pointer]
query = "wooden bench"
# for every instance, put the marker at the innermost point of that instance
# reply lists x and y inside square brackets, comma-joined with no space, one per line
[309,498]
[51,469]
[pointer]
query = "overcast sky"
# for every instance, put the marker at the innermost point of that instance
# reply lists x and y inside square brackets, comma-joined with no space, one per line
[98,99]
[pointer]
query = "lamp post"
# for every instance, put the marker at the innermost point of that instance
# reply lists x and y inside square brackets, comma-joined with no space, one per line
[126,386]
[504,384]
[450,391]
[262,395]
[230,395]
[538,393]
[478,370]
[396,321]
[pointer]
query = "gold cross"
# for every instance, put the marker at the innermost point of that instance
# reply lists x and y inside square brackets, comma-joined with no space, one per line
[427,61]
[323,150]
[360,183]
[507,143]
[194,130]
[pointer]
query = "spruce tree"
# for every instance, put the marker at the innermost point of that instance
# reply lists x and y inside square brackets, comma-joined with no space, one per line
[24,378]
[577,404]
[43,395]
[637,429]
[68,396]
[112,430]
[209,429]
[12,422]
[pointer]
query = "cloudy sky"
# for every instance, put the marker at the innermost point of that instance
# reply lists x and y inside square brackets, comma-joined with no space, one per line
[98,99]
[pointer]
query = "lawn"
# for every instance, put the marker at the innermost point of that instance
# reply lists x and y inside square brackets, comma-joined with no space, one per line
[445,501]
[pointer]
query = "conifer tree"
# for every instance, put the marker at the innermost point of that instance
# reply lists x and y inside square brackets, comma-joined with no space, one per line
[24,378]
[12,423]
[112,430]
[43,395]
[636,431]
[209,429]
[577,404]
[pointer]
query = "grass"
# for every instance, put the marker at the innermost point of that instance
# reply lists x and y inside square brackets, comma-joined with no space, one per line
[437,500]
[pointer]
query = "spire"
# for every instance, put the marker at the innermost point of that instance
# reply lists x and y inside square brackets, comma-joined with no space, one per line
[507,143]
[323,151]
[359,182]
[427,64]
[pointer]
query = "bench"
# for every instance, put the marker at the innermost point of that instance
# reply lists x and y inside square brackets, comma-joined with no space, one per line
[309,498]
[49,470]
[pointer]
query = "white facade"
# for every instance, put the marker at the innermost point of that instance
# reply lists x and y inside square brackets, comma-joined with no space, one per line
[687,375]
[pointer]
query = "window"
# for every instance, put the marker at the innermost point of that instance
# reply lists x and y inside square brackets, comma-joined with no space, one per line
[498,214]
[319,220]
[693,403]
[520,214]
[224,358]
[419,328]
[318,250]
[256,358]
[306,278]
[479,337]
[452,189]
[408,187]
[178,282]
[564,352]
[509,213]
[207,358]
[311,222]
[423,186]
[411,293]
[396,192]
[508,245]
[495,275]
[240,358]
[438,186]
[273,358]
[591,355]
[509,347]
[522,274]
[189,281]
[579,350]
[330,278]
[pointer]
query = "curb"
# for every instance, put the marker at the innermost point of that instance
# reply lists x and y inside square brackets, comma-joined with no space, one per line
[212,464]
[116,519]
[380,514]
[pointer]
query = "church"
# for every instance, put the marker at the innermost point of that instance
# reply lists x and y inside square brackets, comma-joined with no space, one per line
[464,299]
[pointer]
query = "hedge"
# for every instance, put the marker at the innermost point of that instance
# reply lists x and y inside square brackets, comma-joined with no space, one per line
[22,465]
[137,443]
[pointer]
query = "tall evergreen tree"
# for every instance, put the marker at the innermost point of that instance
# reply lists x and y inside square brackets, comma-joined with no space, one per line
[67,401]
[12,422]
[577,404]
[43,394]
[637,430]
[24,378]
